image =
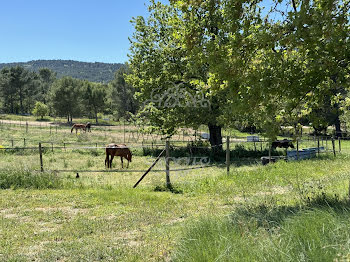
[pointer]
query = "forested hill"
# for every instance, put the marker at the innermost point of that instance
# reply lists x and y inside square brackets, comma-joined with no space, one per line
[96,72]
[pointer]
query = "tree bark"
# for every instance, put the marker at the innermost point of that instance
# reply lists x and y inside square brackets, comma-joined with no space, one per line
[215,137]
[338,132]
[96,117]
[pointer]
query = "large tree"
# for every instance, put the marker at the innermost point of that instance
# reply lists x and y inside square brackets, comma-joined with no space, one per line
[65,97]
[94,97]
[121,96]
[47,77]
[18,87]
[175,56]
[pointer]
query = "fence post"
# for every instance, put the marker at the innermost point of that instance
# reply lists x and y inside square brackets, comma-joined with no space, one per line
[318,146]
[51,146]
[64,145]
[124,130]
[339,141]
[41,158]
[26,126]
[24,142]
[297,149]
[333,145]
[228,154]
[167,161]
[12,143]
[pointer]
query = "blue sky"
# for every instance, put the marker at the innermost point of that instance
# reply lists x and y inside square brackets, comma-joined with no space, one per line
[84,30]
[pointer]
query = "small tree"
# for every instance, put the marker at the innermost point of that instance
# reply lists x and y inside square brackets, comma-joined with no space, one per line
[40,109]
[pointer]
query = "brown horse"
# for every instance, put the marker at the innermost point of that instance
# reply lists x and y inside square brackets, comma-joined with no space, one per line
[285,143]
[117,150]
[80,126]
[88,126]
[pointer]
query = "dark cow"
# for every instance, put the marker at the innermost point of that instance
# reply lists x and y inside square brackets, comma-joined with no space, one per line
[285,143]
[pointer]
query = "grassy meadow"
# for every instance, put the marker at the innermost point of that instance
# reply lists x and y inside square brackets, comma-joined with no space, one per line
[287,211]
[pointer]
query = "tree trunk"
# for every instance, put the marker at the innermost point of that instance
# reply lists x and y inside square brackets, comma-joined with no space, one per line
[95,111]
[337,127]
[215,137]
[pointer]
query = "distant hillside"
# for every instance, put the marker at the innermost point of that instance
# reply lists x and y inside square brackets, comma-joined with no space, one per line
[96,72]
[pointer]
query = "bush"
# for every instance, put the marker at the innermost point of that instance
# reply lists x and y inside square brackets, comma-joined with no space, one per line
[40,109]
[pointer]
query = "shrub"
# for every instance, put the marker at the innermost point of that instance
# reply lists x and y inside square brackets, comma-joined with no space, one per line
[40,109]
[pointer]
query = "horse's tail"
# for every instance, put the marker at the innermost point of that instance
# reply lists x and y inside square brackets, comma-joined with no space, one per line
[129,155]
[72,129]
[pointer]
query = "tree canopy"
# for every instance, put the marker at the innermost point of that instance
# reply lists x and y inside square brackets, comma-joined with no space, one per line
[250,66]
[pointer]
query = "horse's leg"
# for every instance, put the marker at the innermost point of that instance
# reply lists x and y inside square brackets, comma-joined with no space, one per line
[107,160]
[127,165]
[110,163]
[121,159]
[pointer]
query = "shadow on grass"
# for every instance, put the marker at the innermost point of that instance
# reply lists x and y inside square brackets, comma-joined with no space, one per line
[168,189]
[267,216]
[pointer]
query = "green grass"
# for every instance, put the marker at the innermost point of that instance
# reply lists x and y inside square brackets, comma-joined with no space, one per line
[251,214]
[316,232]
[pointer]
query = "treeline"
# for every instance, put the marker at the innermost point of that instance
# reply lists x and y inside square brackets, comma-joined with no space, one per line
[95,72]
[43,93]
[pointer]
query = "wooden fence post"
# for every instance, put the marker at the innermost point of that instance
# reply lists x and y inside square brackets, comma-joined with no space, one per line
[24,142]
[254,146]
[41,158]
[26,126]
[333,145]
[297,149]
[124,131]
[228,154]
[167,162]
[12,143]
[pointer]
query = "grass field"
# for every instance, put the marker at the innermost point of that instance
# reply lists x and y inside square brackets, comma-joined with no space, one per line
[288,211]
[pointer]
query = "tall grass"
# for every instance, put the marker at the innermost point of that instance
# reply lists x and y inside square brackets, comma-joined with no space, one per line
[17,178]
[317,232]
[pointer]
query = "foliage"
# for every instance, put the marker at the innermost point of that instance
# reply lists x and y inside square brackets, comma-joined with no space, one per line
[121,97]
[95,72]
[94,95]
[40,109]
[65,97]
[18,89]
